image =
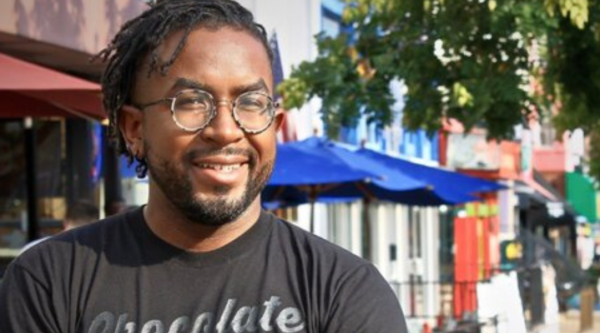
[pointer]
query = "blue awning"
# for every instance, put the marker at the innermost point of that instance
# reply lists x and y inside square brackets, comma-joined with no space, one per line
[394,179]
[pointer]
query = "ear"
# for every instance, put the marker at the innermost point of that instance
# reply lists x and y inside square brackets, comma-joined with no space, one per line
[131,127]
[280,118]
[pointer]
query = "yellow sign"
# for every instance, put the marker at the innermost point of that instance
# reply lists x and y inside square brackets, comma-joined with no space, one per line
[514,251]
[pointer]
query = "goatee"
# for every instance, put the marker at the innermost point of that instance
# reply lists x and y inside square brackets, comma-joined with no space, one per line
[176,185]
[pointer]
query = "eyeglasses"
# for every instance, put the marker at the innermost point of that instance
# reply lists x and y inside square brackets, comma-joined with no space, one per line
[194,109]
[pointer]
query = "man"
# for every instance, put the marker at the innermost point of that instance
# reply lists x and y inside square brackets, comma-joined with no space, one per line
[188,84]
[78,214]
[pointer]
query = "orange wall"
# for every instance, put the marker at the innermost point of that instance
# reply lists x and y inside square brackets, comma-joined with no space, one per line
[550,159]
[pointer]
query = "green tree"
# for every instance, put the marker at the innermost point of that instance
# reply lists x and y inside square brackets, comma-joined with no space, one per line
[471,60]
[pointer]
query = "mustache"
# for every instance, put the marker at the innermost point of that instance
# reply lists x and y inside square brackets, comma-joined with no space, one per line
[194,154]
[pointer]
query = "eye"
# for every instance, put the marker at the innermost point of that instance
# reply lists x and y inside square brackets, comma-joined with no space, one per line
[193,102]
[253,103]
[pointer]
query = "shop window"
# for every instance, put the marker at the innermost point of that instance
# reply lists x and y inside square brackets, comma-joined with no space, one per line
[49,180]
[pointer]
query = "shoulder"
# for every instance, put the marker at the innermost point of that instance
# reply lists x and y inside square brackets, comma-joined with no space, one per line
[356,297]
[311,242]
[317,253]
[80,243]
[92,233]
[33,243]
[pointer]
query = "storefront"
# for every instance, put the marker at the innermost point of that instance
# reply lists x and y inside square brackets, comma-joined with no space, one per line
[49,131]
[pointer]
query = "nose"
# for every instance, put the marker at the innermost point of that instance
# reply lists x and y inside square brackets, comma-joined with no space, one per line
[223,129]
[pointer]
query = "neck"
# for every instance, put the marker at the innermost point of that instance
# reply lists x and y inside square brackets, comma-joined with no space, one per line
[169,224]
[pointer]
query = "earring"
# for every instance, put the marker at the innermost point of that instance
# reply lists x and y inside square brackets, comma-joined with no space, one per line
[129,155]
[141,169]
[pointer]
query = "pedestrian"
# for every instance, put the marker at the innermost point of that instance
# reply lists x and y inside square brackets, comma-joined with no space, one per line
[188,88]
[78,214]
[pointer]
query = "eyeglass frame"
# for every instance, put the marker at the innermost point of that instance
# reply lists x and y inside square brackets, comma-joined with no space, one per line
[213,111]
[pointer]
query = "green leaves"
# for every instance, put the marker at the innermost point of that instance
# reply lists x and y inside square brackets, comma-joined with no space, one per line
[481,62]
[461,95]
[576,10]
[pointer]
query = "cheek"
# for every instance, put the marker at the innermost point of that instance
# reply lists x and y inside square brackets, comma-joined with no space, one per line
[163,139]
[265,147]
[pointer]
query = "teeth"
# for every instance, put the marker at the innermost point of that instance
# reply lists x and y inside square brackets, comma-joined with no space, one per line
[221,167]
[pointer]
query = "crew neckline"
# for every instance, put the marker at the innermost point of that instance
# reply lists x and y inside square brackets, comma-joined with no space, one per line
[156,249]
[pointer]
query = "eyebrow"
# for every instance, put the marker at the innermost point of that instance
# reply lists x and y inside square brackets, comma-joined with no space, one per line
[185,83]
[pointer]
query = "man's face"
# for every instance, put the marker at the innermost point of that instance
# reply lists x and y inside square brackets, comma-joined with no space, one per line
[214,175]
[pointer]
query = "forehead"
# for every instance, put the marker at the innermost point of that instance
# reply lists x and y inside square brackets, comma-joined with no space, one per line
[226,56]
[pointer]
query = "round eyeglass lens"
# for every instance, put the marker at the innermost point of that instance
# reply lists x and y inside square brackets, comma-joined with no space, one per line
[254,110]
[192,108]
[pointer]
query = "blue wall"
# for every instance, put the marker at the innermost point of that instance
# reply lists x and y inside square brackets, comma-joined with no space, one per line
[419,144]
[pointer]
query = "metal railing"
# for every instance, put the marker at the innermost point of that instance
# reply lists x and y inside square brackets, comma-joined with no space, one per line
[456,310]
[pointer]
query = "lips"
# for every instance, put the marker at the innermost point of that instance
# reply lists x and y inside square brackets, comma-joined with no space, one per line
[221,167]
[222,170]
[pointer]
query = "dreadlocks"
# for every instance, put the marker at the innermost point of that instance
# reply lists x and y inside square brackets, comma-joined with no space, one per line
[141,36]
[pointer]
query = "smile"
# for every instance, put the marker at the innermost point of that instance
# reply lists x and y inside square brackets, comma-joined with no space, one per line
[222,173]
[221,167]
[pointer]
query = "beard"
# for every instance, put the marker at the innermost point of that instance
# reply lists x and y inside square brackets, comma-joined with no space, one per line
[177,186]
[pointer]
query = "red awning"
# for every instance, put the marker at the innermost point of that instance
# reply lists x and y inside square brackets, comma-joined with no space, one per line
[21,75]
[15,105]
[88,102]
[38,91]
[18,105]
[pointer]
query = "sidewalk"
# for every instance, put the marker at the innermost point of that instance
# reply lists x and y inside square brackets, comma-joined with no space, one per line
[569,323]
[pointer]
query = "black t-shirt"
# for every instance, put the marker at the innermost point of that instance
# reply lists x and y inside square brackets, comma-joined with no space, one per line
[117,276]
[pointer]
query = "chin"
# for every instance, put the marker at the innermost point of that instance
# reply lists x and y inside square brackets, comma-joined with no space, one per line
[214,205]
[215,210]
[220,193]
